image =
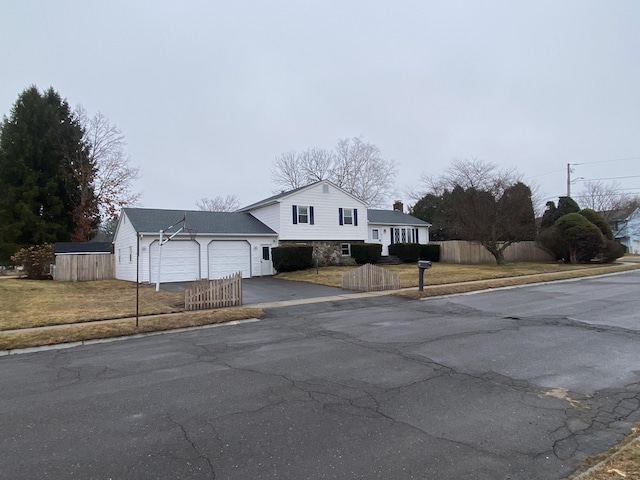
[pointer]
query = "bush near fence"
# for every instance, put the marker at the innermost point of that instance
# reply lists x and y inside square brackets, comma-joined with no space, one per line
[466,252]
[81,268]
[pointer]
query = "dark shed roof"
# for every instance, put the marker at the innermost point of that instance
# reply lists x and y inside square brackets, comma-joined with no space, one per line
[82,247]
[151,220]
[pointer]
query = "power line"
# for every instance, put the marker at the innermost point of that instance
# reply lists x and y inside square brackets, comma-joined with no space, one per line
[607,161]
[606,178]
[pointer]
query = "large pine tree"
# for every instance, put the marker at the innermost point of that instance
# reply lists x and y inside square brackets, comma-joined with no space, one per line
[45,174]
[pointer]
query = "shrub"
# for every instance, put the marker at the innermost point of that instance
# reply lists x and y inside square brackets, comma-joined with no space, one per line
[611,250]
[430,252]
[288,258]
[35,260]
[551,241]
[366,252]
[582,237]
[406,252]
[599,221]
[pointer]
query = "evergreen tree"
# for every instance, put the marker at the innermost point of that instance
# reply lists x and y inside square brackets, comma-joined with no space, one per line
[45,173]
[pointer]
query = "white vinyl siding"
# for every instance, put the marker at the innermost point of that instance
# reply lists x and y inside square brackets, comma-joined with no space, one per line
[125,242]
[325,214]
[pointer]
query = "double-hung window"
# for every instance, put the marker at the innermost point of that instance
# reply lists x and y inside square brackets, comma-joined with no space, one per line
[348,216]
[302,214]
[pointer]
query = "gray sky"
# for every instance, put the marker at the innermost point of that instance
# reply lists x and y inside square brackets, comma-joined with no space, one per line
[208,93]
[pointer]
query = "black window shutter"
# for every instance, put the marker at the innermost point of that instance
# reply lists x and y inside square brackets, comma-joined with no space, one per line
[311,215]
[295,214]
[417,238]
[340,216]
[355,217]
[391,232]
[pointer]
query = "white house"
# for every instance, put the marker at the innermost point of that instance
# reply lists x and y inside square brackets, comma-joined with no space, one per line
[177,246]
[318,213]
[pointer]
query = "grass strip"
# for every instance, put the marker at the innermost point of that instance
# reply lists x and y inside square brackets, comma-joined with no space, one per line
[119,328]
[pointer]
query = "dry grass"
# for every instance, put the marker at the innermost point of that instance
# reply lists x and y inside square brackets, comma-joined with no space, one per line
[118,328]
[622,461]
[442,274]
[32,303]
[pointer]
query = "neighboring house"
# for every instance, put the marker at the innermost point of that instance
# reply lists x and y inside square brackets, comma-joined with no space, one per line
[625,224]
[210,245]
[394,226]
[216,244]
[321,213]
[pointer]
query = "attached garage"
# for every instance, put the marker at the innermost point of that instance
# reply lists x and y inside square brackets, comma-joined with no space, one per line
[228,257]
[180,261]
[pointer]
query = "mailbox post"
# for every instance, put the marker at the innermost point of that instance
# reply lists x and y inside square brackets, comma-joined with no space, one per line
[422,266]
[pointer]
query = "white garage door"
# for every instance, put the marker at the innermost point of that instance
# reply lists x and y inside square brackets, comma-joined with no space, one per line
[229,257]
[180,261]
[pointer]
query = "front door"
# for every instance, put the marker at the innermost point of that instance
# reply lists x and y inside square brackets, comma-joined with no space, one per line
[266,267]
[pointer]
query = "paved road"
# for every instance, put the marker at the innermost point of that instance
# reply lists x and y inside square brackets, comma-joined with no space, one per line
[510,384]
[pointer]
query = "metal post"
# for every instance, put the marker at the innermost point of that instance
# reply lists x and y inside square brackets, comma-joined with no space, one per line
[568,180]
[137,280]
[159,261]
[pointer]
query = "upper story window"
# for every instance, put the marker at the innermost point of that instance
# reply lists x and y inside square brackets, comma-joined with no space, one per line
[302,214]
[348,216]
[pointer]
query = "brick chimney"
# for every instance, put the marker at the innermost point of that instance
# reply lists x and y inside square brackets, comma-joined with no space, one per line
[398,206]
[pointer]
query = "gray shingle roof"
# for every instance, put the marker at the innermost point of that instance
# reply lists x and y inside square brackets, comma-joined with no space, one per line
[394,217]
[151,220]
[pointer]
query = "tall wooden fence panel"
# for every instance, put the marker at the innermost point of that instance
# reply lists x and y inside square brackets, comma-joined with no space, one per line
[81,268]
[217,293]
[461,251]
[370,278]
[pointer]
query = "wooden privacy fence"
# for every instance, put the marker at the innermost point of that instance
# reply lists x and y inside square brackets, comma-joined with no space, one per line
[369,278]
[84,267]
[218,293]
[462,251]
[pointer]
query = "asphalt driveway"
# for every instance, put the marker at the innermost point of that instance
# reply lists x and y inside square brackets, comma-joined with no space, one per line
[516,384]
[269,289]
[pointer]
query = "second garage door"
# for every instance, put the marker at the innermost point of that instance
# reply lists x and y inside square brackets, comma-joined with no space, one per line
[228,257]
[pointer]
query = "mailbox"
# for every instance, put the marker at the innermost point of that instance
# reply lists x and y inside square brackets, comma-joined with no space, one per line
[422,266]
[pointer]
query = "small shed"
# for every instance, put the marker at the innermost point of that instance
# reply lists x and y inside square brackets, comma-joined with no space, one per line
[82,261]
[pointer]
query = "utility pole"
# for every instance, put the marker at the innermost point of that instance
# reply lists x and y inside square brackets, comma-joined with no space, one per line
[569,180]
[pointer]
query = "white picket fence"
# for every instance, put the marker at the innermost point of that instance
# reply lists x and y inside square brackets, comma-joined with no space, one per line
[369,278]
[217,293]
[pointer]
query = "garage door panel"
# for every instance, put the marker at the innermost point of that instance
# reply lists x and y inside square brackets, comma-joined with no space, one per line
[229,257]
[180,261]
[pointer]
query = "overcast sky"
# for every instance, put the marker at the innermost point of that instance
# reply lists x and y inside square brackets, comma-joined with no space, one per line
[208,93]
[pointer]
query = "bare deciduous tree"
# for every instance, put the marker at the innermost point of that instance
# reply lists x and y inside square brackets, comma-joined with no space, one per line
[229,203]
[483,203]
[115,174]
[354,165]
[603,197]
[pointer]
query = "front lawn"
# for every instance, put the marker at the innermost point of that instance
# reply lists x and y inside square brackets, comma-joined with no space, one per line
[446,273]
[35,303]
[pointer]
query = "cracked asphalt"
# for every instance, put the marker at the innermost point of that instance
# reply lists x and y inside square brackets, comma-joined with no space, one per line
[518,383]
